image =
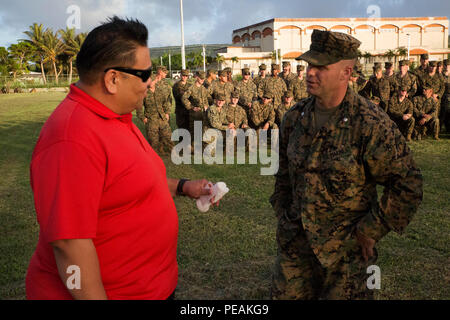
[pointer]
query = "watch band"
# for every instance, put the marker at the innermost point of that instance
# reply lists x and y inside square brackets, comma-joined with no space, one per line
[180,185]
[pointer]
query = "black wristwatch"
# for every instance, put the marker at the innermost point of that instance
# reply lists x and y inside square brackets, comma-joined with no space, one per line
[180,185]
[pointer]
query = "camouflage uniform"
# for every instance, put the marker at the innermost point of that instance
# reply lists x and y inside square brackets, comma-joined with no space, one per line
[325,189]
[219,87]
[379,88]
[276,85]
[397,109]
[247,91]
[298,86]
[196,96]
[157,105]
[289,77]
[217,119]
[261,114]
[181,113]
[282,109]
[236,115]
[409,81]
[423,106]
[445,103]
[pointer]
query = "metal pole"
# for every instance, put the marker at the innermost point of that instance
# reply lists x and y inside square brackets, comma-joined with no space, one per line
[408,43]
[170,66]
[183,55]
[204,59]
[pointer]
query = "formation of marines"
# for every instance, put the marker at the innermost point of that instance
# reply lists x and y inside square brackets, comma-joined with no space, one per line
[417,101]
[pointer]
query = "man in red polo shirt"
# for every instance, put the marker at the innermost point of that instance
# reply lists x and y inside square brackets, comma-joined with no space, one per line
[108,223]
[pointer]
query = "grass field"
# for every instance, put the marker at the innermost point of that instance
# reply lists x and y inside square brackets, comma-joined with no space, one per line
[227,253]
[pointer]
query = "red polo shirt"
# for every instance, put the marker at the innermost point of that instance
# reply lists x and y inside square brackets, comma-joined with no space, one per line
[94,176]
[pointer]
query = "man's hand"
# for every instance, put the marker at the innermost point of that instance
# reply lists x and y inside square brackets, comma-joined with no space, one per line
[366,244]
[145,120]
[231,126]
[422,121]
[407,116]
[197,188]
[266,126]
[167,117]
[196,109]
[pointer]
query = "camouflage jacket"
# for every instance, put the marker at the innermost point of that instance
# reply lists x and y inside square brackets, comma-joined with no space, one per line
[208,84]
[423,106]
[281,110]
[247,92]
[236,115]
[436,82]
[258,80]
[275,85]
[397,109]
[409,80]
[218,87]
[446,95]
[328,181]
[288,79]
[157,104]
[377,88]
[260,114]
[195,97]
[217,119]
[178,90]
[298,88]
[392,84]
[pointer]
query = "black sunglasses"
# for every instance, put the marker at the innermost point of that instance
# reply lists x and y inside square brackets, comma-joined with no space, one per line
[143,74]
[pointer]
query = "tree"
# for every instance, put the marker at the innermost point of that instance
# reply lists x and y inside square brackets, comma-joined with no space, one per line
[72,45]
[220,59]
[402,52]
[390,54]
[36,38]
[20,53]
[52,47]
[233,61]
[367,56]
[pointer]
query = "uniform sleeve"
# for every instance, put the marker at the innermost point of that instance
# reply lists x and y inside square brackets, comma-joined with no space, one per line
[67,181]
[389,162]
[185,99]
[167,106]
[215,121]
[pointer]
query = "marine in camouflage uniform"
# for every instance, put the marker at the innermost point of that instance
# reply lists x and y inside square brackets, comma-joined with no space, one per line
[288,102]
[216,116]
[275,85]
[179,88]
[221,87]
[246,89]
[390,76]
[298,85]
[287,75]
[262,76]
[378,86]
[325,194]
[354,82]
[211,76]
[445,102]
[157,107]
[236,115]
[401,111]
[421,71]
[262,114]
[406,79]
[195,100]
[425,113]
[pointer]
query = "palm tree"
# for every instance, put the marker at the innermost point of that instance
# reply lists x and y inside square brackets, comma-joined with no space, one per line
[233,61]
[220,59]
[52,47]
[402,52]
[36,38]
[367,56]
[72,45]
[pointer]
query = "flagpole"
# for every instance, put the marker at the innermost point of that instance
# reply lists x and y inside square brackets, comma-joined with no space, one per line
[183,55]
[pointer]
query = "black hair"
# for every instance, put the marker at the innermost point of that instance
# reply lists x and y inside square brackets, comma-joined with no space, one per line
[112,44]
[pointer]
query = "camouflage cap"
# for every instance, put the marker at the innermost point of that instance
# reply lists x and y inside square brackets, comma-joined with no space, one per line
[355,73]
[245,71]
[388,65]
[403,88]
[268,95]
[185,72]
[288,94]
[220,97]
[432,64]
[328,47]
[376,64]
[227,69]
[300,67]
[286,63]
[211,71]
[427,86]
[235,94]
[201,74]
[222,73]
[275,66]
[358,66]
[262,67]
[445,62]
[161,68]
[403,63]
[439,63]
[377,68]
[424,56]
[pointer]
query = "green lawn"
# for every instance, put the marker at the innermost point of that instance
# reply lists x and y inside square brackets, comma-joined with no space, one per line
[227,253]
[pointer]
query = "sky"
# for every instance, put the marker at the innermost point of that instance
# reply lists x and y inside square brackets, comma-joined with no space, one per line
[205,21]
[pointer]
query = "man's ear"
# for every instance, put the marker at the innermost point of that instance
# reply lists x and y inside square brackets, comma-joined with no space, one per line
[111,80]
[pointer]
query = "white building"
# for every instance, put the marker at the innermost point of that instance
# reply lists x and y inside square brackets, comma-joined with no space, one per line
[255,44]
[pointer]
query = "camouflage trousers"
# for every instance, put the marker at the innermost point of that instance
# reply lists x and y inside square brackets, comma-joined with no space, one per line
[431,125]
[182,117]
[406,127]
[299,275]
[159,135]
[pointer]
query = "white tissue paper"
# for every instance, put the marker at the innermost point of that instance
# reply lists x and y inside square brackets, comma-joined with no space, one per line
[218,191]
